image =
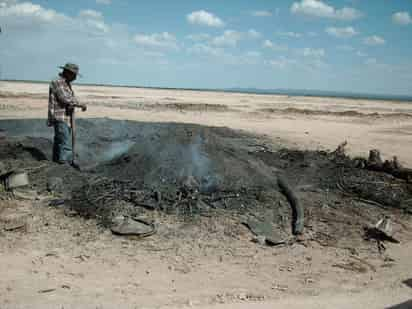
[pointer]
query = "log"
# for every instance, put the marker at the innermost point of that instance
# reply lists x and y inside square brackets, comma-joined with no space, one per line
[298,215]
[392,167]
[341,150]
[375,157]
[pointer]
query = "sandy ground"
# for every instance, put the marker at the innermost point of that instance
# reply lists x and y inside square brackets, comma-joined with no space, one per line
[58,261]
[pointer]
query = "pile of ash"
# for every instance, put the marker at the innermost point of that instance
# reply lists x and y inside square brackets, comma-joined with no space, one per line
[180,169]
[191,170]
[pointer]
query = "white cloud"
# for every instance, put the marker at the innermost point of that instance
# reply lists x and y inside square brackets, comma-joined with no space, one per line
[220,55]
[402,18]
[5,3]
[250,57]
[253,34]
[314,64]
[231,38]
[273,46]
[374,40]
[155,54]
[94,19]
[281,62]
[204,18]
[268,44]
[371,61]
[290,34]
[345,32]
[305,64]
[205,49]
[98,25]
[27,10]
[347,48]
[163,40]
[106,2]
[85,39]
[313,52]
[361,54]
[317,8]
[228,38]
[247,58]
[253,54]
[261,13]
[198,37]
[90,14]
[26,18]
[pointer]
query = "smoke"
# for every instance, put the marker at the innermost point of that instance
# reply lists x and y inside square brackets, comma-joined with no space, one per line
[199,166]
[199,163]
[116,149]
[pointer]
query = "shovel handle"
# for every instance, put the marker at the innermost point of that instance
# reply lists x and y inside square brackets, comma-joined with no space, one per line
[73,125]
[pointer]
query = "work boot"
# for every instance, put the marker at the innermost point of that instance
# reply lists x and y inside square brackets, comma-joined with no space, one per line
[75,166]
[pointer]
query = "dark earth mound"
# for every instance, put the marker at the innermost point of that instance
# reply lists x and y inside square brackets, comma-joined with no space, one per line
[191,170]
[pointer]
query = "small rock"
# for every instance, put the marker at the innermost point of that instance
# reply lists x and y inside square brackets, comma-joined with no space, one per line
[17,180]
[57,202]
[70,213]
[309,280]
[54,184]
[261,240]
[242,296]
[82,257]
[280,287]
[14,219]
[29,195]
[13,226]
[385,226]
[52,253]
[46,290]
[382,231]
[183,269]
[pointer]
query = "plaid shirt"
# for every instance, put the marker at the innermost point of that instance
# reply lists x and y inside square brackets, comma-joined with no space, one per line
[61,99]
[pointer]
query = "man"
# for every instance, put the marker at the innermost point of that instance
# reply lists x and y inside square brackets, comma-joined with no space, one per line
[62,103]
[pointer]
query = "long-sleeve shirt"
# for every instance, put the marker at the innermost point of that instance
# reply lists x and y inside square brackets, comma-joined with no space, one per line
[61,101]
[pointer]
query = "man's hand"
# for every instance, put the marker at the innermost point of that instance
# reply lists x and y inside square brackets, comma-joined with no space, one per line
[82,106]
[69,110]
[49,123]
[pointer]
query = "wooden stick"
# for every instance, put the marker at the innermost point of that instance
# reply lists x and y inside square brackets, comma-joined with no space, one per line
[73,125]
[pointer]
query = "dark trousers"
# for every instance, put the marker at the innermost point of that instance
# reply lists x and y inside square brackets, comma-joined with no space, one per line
[62,144]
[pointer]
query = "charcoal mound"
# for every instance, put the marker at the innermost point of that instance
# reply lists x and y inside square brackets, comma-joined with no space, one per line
[210,157]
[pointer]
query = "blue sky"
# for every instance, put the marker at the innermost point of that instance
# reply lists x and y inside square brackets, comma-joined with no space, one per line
[340,45]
